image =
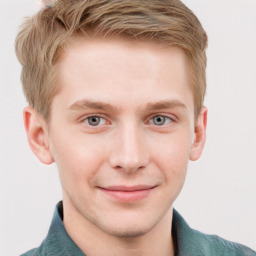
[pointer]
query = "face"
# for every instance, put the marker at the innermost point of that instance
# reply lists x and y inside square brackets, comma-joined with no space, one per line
[122,132]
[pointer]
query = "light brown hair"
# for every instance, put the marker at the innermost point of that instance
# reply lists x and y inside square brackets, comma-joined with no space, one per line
[43,36]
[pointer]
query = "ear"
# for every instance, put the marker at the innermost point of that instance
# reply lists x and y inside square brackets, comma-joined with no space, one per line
[37,135]
[200,135]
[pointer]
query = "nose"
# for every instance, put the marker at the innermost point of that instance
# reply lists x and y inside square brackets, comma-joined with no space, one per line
[129,152]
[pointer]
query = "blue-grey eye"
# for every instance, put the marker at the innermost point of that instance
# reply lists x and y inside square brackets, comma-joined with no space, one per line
[160,120]
[94,120]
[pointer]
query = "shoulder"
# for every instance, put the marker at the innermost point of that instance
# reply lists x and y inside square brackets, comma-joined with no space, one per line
[213,245]
[195,243]
[40,251]
[33,252]
[48,248]
[30,253]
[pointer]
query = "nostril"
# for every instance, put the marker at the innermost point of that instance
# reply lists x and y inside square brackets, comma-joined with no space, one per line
[128,168]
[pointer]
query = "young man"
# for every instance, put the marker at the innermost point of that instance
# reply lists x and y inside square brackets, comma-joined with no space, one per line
[115,91]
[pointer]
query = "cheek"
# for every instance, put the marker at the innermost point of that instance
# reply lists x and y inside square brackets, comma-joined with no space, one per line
[75,158]
[172,155]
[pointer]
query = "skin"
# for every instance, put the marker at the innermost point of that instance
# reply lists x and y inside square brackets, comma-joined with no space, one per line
[123,119]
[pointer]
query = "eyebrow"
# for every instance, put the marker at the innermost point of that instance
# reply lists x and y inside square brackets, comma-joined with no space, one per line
[165,104]
[99,105]
[85,104]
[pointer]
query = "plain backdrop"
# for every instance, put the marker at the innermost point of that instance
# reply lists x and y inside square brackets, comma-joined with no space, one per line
[219,196]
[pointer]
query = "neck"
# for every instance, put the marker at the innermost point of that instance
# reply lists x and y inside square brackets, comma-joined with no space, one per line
[95,242]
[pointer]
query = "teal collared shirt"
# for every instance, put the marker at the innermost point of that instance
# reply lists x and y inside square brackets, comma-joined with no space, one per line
[187,241]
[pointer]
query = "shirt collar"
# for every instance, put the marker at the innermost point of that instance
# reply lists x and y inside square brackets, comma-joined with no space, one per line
[58,238]
[63,245]
[183,236]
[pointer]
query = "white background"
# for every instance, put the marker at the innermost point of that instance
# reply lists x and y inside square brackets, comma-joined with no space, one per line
[219,196]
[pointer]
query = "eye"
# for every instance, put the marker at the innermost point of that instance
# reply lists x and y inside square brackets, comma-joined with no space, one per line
[160,120]
[95,121]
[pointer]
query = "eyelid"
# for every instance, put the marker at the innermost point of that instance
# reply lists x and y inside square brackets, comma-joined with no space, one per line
[97,125]
[85,117]
[172,117]
[82,119]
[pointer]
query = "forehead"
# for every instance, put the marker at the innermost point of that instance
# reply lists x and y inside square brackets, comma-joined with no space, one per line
[115,69]
[124,53]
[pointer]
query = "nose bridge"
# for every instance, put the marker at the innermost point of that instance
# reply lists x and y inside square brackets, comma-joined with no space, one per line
[130,151]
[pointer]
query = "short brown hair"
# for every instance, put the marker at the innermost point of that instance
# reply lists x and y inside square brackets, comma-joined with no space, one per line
[41,38]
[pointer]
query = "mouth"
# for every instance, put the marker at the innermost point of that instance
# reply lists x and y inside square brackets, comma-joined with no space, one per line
[128,194]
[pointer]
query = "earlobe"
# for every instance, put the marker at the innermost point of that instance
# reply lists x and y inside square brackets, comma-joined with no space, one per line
[200,135]
[37,135]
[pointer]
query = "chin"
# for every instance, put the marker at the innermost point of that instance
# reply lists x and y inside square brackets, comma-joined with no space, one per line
[126,228]
[128,232]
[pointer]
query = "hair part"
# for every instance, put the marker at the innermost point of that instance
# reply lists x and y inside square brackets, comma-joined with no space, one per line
[43,37]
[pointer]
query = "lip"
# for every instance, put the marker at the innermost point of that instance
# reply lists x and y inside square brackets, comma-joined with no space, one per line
[128,194]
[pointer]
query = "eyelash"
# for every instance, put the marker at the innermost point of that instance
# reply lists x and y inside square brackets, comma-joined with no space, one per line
[85,120]
[161,116]
[171,120]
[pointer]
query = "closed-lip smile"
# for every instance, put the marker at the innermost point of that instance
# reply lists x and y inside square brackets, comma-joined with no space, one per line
[128,193]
